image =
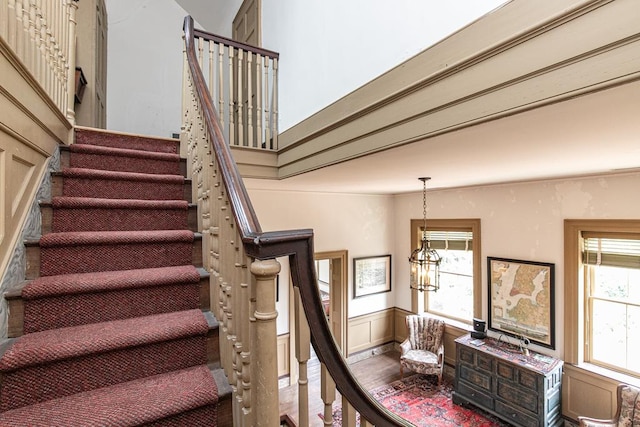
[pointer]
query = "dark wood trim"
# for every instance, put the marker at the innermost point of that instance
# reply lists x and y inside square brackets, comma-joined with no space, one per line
[238,45]
[296,244]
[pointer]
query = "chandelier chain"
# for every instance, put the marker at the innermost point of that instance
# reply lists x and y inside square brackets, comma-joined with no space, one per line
[424,205]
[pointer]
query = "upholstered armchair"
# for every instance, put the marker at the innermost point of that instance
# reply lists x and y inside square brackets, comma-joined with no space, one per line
[627,414]
[423,350]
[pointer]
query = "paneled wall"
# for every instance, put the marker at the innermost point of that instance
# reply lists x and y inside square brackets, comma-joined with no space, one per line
[373,330]
[31,127]
[370,330]
[283,354]
[588,394]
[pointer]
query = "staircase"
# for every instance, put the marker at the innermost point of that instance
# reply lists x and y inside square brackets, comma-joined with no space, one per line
[112,326]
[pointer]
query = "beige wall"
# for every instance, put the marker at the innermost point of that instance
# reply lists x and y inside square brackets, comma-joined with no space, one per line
[362,224]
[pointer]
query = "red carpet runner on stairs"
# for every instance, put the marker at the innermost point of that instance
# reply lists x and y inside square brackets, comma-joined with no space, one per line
[116,328]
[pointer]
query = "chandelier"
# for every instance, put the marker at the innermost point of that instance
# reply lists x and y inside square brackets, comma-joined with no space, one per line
[424,262]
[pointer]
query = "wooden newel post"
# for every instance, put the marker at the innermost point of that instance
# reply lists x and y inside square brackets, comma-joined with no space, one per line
[264,339]
[71,70]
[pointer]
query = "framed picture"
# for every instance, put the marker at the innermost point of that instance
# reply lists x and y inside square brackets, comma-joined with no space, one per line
[521,299]
[371,275]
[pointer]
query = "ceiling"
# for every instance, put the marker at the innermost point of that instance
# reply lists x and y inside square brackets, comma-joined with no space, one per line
[598,133]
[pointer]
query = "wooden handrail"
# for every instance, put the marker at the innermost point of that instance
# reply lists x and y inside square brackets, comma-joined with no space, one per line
[234,43]
[296,244]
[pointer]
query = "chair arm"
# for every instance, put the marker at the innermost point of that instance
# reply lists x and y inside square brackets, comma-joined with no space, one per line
[405,346]
[595,422]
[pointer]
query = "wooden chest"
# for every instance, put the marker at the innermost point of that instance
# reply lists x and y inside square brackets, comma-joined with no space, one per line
[522,390]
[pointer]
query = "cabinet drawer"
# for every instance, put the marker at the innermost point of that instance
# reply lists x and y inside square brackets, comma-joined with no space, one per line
[467,355]
[477,378]
[512,373]
[506,370]
[476,359]
[484,362]
[528,380]
[475,395]
[517,396]
[514,415]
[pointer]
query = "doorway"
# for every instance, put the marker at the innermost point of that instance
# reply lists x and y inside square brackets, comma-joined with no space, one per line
[331,271]
[335,276]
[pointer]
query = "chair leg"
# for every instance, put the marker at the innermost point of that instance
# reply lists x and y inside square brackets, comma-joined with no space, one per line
[401,372]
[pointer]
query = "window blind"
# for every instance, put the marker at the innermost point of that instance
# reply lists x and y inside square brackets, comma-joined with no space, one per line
[454,240]
[611,252]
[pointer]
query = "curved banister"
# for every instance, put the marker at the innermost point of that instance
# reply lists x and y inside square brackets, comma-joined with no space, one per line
[296,244]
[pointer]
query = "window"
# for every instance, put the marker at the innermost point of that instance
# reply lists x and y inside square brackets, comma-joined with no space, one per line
[458,244]
[602,295]
[612,309]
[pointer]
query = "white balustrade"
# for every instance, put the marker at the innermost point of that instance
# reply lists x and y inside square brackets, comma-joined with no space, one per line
[42,35]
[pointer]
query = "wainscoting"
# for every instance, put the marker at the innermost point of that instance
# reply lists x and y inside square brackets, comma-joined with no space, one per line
[283,355]
[370,330]
[587,393]
[31,127]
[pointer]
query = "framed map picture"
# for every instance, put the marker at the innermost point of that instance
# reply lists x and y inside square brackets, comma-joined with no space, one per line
[521,299]
[371,275]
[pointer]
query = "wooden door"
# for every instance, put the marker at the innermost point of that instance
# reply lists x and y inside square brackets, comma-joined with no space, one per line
[247,29]
[336,297]
[247,23]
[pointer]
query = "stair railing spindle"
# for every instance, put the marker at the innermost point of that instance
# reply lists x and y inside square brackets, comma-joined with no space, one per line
[4,20]
[328,395]
[70,83]
[212,69]
[237,309]
[250,100]
[39,47]
[245,355]
[303,354]
[19,33]
[240,100]
[267,127]
[258,109]
[30,20]
[274,102]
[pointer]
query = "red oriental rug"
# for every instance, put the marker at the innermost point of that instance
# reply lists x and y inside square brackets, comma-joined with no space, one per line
[419,400]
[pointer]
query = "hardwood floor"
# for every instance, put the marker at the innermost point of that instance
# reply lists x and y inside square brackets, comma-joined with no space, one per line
[373,372]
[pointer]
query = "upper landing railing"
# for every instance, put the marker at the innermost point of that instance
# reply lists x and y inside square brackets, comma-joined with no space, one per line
[241,260]
[42,35]
[243,83]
